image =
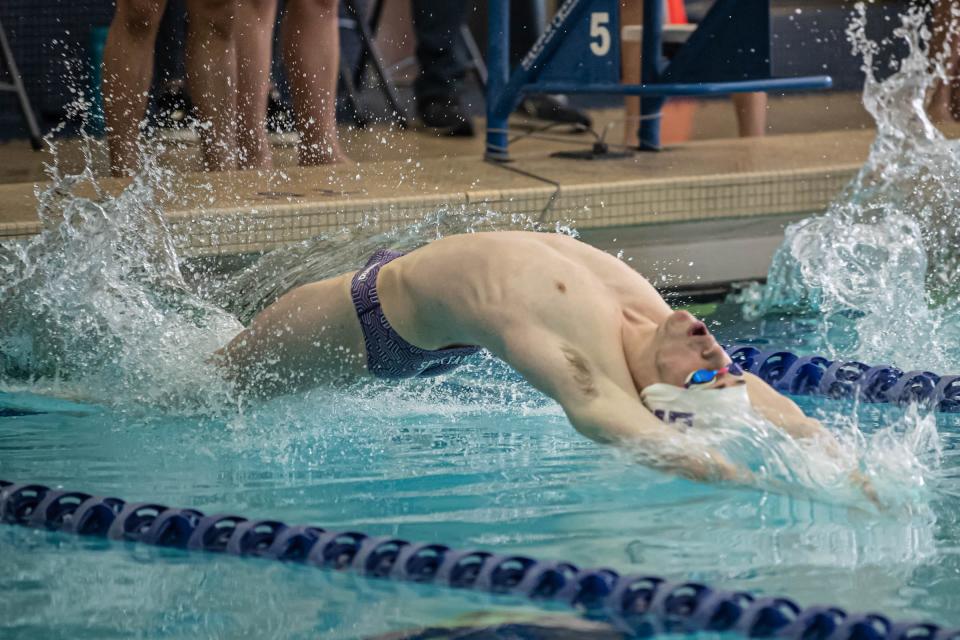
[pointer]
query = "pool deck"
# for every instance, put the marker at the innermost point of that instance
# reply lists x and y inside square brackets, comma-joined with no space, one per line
[697,181]
[739,192]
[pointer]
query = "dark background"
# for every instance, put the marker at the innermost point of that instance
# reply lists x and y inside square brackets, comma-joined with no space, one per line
[51,38]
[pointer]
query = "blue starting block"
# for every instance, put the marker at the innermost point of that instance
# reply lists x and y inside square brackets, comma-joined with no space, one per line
[728,52]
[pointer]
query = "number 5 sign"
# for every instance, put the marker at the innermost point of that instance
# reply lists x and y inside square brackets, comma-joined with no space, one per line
[600,33]
[585,42]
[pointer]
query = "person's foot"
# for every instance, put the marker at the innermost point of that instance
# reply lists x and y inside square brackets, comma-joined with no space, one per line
[445,114]
[552,109]
[323,153]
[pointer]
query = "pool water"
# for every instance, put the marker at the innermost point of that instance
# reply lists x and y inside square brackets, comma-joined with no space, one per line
[424,462]
[106,387]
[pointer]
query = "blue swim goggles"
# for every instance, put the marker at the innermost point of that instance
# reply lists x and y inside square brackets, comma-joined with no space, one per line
[705,377]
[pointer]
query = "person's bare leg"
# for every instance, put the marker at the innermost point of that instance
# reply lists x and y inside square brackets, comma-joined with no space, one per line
[631,13]
[311,51]
[127,72]
[751,110]
[309,336]
[945,100]
[212,79]
[955,98]
[254,52]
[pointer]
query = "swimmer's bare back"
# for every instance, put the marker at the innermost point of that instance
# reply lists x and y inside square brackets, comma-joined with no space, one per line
[462,290]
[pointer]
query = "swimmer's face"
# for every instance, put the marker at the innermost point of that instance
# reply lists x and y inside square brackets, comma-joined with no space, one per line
[683,345]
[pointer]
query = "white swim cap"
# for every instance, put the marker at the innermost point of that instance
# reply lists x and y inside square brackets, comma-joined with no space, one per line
[695,407]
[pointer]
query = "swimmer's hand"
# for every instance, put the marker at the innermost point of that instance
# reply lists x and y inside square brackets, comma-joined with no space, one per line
[701,464]
[730,472]
[618,419]
[713,466]
[863,483]
[829,444]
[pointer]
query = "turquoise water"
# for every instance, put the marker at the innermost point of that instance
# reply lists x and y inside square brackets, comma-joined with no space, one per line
[105,336]
[423,464]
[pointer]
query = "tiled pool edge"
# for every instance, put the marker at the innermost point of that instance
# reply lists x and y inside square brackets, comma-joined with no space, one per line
[243,228]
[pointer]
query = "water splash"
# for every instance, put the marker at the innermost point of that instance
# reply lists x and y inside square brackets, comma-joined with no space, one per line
[96,305]
[880,463]
[881,267]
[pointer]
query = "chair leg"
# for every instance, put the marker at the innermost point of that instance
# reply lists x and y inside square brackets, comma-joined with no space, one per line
[366,37]
[375,14]
[476,56]
[351,95]
[17,87]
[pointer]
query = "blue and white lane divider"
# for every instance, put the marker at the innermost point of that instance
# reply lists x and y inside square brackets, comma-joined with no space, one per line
[818,376]
[637,604]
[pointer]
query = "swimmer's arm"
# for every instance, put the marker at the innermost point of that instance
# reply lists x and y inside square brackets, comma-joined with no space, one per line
[782,411]
[599,409]
[616,418]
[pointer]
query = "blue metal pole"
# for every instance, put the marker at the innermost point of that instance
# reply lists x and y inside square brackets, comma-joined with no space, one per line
[683,88]
[650,65]
[498,69]
[569,13]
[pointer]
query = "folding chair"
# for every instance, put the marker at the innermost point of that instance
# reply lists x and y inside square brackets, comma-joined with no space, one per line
[16,86]
[369,55]
[474,54]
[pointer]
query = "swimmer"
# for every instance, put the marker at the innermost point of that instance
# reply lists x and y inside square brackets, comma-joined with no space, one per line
[577,323]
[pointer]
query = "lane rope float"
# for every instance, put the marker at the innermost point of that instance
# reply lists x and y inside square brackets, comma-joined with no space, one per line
[642,605]
[814,375]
